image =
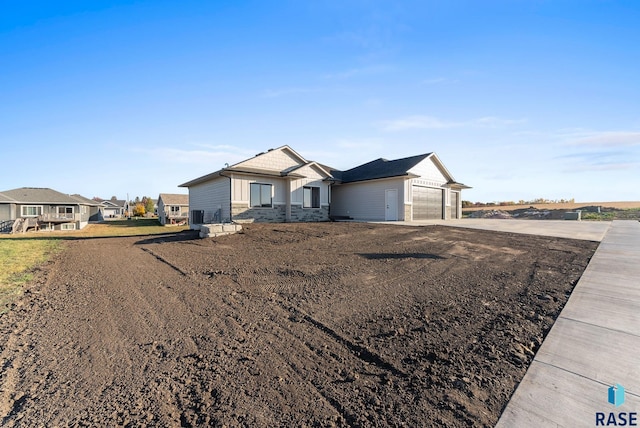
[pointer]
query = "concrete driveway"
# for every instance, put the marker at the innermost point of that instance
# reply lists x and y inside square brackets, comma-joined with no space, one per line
[587,230]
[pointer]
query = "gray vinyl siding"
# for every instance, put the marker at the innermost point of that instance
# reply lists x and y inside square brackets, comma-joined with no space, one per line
[365,200]
[7,212]
[209,197]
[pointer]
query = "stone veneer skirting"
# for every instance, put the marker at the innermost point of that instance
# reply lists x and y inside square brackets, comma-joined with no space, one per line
[242,214]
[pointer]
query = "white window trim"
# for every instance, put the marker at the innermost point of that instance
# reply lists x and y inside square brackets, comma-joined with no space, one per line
[319,197]
[260,206]
[31,206]
[68,226]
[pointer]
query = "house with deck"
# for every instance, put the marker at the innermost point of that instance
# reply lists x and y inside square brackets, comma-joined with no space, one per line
[280,185]
[173,208]
[44,209]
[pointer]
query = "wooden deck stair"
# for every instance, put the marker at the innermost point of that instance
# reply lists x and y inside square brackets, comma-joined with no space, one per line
[20,225]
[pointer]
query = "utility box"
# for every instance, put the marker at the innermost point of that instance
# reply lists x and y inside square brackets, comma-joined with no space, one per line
[573,215]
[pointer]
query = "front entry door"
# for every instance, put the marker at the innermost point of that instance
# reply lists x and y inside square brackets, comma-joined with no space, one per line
[391,205]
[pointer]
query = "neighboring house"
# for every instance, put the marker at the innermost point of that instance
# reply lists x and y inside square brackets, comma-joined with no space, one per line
[113,208]
[276,186]
[280,185]
[44,209]
[173,208]
[95,210]
[413,188]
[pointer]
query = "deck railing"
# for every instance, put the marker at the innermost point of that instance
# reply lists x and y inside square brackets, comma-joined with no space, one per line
[59,218]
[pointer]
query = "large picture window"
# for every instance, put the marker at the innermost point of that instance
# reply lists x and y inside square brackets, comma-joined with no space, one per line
[311,197]
[31,210]
[261,195]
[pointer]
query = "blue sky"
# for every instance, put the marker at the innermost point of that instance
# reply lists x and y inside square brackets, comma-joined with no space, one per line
[520,99]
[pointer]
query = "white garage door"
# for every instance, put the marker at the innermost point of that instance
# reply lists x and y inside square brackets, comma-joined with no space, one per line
[427,203]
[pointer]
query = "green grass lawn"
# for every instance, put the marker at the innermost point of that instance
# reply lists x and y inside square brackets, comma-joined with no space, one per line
[17,258]
[20,253]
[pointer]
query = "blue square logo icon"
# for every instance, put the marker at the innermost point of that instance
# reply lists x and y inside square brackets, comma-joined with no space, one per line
[616,395]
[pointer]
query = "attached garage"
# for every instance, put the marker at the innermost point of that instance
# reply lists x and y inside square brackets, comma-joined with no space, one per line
[413,188]
[427,203]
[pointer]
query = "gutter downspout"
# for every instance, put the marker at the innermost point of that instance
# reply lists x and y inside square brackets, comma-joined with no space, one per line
[230,203]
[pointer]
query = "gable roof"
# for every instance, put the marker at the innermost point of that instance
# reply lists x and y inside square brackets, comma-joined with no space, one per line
[43,195]
[117,203]
[248,166]
[174,199]
[380,168]
[376,169]
[84,201]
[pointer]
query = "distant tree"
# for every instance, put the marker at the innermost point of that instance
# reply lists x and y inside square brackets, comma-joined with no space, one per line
[139,210]
[149,205]
[97,199]
[467,204]
[136,200]
[114,198]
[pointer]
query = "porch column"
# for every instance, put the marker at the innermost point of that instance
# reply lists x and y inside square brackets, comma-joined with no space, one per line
[288,200]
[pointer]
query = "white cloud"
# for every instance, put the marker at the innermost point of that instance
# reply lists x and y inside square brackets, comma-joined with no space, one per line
[606,139]
[363,71]
[438,81]
[430,122]
[368,144]
[275,93]
[495,122]
[417,122]
[217,156]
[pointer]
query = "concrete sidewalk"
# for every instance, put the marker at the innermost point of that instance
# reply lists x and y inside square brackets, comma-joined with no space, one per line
[587,230]
[594,344]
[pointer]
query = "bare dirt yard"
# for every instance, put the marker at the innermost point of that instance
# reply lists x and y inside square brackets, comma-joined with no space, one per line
[334,324]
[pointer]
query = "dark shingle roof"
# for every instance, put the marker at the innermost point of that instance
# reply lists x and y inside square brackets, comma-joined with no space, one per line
[40,195]
[379,168]
[85,201]
[113,203]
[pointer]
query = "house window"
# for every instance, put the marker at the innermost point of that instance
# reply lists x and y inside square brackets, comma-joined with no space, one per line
[31,210]
[65,211]
[311,197]
[175,210]
[261,195]
[68,226]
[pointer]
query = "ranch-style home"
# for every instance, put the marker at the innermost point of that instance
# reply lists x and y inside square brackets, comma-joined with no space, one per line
[44,209]
[281,186]
[276,186]
[173,208]
[113,208]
